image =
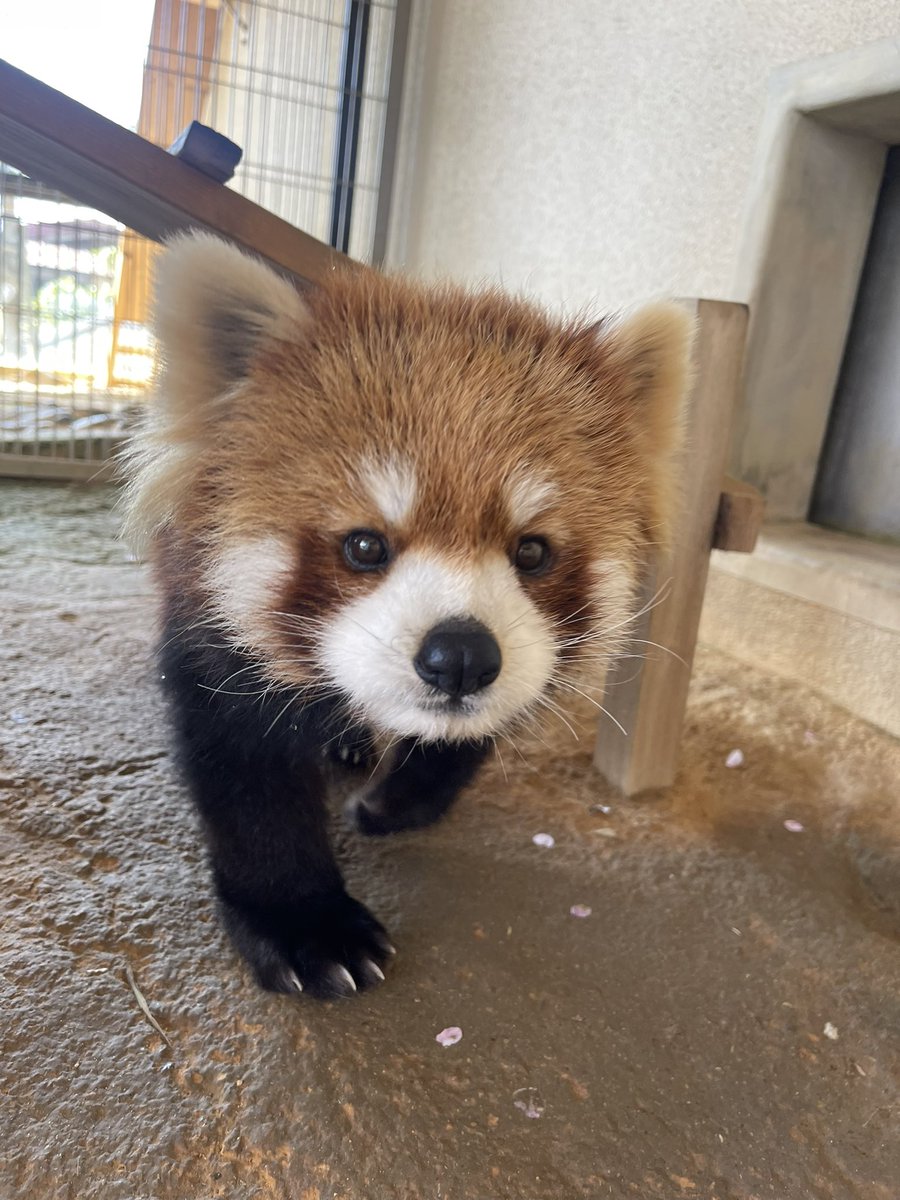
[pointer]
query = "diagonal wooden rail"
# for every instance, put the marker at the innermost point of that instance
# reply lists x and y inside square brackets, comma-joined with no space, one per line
[51,137]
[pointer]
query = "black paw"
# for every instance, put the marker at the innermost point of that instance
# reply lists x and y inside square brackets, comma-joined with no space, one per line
[376,815]
[327,946]
[353,749]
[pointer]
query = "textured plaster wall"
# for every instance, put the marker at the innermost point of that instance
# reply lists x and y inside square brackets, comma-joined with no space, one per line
[596,150]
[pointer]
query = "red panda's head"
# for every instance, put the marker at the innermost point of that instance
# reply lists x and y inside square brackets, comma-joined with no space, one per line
[430,502]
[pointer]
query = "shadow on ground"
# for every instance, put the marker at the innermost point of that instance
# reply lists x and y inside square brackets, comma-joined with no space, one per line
[723,1024]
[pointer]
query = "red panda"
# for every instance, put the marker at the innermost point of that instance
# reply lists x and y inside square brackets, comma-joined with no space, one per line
[379,511]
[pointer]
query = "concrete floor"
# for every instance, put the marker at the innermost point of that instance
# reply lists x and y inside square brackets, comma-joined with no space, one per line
[671,1044]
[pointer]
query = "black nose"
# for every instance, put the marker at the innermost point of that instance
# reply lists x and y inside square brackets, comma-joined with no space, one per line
[458,657]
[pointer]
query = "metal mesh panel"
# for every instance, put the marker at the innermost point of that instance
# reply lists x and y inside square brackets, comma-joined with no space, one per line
[58,266]
[269,75]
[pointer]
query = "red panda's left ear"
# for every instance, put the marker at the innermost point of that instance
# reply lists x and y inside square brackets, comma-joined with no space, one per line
[650,353]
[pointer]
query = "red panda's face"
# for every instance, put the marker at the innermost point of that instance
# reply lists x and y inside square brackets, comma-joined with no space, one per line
[433,505]
[433,616]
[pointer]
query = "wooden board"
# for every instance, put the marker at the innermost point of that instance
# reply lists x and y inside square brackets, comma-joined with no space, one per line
[649,701]
[33,466]
[740,516]
[96,162]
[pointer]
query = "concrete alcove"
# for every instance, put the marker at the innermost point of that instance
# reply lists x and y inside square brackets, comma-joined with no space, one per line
[811,604]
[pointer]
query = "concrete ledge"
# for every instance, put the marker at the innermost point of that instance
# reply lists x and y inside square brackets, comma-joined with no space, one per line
[817,607]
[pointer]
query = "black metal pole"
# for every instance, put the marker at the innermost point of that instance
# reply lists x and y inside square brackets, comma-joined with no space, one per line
[356,37]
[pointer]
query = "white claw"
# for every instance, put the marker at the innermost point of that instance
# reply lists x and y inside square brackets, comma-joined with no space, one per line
[344,975]
[294,979]
[375,969]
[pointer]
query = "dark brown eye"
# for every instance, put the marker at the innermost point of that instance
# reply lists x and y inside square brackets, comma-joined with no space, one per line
[532,556]
[365,550]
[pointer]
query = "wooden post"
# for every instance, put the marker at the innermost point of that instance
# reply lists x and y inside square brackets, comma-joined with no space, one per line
[650,702]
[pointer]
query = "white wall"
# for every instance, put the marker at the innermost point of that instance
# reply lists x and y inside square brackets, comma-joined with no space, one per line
[595,150]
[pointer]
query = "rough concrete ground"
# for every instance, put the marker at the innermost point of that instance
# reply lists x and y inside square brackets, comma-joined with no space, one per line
[671,1044]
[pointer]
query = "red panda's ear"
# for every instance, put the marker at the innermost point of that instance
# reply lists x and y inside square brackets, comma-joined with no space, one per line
[213,306]
[650,352]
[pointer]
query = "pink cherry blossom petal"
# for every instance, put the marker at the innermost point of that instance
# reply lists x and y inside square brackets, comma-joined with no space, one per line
[544,839]
[529,1101]
[449,1036]
[580,910]
[794,826]
[735,758]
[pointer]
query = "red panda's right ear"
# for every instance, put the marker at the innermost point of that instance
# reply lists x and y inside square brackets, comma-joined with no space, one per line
[214,305]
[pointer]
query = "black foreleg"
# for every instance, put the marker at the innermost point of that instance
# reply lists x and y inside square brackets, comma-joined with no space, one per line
[422,784]
[258,788]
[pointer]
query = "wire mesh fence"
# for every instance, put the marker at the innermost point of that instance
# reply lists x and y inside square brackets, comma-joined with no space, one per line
[58,277]
[306,96]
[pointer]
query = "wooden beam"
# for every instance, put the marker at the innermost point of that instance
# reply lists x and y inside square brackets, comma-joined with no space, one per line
[649,701]
[96,162]
[72,470]
[740,517]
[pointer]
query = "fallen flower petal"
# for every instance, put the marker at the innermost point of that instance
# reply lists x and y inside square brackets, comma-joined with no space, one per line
[529,1101]
[735,758]
[794,826]
[449,1036]
[544,839]
[580,910]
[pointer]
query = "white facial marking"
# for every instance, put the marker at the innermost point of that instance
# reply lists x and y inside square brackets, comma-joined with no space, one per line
[528,495]
[392,485]
[245,580]
[369,647]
